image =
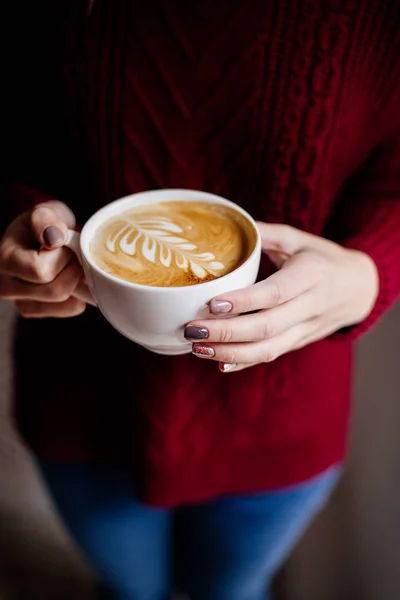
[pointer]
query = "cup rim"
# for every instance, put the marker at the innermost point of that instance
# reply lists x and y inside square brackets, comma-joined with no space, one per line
[111,209]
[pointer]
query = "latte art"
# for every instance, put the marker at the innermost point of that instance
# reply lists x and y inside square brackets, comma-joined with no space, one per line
[173,243]
[158,240]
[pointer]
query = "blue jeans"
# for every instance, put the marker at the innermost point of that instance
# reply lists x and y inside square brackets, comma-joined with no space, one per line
[226,549]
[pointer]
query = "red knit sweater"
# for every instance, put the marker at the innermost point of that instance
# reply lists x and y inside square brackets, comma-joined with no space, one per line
[289,108]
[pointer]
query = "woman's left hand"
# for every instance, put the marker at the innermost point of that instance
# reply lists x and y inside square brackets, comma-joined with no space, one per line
[320,287]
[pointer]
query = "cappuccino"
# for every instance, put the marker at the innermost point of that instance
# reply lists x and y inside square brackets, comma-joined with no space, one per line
[172,244]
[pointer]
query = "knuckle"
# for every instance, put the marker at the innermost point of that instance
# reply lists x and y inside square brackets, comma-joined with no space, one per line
[61,289]
[248,305]
[268,356]
[228,356]
[58,292]
[79,308]
[275,295]
[266,330]
[225,334]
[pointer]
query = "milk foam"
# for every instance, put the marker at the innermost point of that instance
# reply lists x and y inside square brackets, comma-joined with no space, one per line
[155,240]
[174,243]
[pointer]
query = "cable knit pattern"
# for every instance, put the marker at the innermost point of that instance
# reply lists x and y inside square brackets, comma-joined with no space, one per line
[291,109]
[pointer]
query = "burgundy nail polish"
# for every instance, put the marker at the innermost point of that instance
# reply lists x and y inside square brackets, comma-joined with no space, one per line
[203,351]
[196,333]
[220,306]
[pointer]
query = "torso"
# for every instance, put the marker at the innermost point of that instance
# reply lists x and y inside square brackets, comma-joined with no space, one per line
[273,105]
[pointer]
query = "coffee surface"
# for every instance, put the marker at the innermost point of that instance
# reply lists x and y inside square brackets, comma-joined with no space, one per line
[173,243]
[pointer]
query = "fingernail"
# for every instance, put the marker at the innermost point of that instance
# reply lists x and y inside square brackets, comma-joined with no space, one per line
[203,351]
[227,367]
[196,333]
[52,236]
[220,306]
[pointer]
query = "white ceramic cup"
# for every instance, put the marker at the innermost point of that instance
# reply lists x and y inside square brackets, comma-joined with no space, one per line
[151,316]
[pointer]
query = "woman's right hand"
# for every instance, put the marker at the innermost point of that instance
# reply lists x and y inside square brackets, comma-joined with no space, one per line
[37,271]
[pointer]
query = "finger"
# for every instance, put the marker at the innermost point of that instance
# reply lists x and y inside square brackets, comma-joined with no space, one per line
[263,325]
[39,310]
[19,248]
[293,280]
[58,290]
[283,239]
[35,266]
[233,367]
[50,222]
[252,352]
[314,331]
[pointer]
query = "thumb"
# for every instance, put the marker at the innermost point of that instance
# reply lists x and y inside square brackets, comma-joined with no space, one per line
[50,221]
[282,240]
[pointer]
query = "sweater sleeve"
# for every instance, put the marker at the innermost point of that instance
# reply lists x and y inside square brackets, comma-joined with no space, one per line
[367,218]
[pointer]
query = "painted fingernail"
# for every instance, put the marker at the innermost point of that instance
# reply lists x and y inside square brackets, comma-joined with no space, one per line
[196,333]
[203,351]
[52,236]
[227,367]
[220,306]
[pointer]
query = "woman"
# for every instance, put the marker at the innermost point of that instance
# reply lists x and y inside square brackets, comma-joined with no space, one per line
[289,109]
